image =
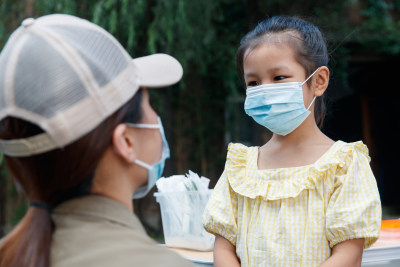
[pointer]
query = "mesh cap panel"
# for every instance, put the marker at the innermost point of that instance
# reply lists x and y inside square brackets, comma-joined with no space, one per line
[95,49]
[45,95]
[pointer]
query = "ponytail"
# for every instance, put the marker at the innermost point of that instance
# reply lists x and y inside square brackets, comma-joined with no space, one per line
[28,245]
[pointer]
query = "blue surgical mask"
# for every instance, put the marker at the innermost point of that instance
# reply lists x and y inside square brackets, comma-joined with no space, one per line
[154,171]
[278,106]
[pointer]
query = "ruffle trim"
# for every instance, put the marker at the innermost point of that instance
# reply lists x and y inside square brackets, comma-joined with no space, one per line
[341,155]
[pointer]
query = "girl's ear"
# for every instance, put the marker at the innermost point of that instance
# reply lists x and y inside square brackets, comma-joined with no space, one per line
[321,81]
[123,143]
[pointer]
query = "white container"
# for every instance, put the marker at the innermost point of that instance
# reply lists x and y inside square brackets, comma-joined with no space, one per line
[181,214]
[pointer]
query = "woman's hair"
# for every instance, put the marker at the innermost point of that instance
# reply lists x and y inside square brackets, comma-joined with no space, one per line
[52,178]
[306,40]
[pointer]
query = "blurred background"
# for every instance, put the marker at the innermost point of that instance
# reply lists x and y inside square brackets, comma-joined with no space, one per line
[204,112]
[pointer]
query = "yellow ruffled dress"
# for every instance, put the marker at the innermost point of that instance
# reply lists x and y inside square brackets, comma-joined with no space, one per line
[294,216]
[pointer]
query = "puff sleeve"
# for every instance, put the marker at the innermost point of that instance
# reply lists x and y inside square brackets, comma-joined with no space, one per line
[220,214]
[354,208]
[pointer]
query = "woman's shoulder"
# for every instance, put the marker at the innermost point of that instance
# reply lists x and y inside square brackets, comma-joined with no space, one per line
[124,253]
[79,241]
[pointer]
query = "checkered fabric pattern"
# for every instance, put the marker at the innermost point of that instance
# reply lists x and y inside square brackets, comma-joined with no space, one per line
[294,216]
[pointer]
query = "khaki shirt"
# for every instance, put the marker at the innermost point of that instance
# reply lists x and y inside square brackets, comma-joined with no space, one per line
[98,231]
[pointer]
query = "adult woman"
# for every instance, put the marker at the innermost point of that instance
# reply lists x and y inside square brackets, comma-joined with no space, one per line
[81,138]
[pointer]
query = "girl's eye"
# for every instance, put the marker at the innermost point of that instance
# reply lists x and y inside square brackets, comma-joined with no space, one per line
[252,83]
[278,78]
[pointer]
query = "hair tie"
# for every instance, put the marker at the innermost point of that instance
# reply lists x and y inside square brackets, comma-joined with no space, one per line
[41,205]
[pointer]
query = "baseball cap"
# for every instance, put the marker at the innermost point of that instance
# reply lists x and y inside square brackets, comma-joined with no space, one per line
[67,75]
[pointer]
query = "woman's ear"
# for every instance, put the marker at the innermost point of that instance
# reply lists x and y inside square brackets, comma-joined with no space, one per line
[321,81]
[122,143]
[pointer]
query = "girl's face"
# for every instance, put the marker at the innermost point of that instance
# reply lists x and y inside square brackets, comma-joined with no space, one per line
[274,63]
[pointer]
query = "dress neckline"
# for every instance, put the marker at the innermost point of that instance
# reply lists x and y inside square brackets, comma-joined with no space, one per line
[255,160]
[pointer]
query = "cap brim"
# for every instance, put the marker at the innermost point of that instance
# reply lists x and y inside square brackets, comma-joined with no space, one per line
[158,70]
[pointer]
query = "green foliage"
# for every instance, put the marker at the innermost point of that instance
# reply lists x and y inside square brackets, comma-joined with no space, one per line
[380,31]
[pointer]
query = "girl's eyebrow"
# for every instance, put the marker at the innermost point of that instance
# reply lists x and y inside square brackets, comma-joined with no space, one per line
[278,68]
[273,69]
[250,74]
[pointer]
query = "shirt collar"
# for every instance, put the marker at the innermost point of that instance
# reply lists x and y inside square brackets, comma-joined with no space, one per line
[101,207]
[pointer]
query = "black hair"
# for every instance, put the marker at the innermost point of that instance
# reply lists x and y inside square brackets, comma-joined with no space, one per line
[309,45]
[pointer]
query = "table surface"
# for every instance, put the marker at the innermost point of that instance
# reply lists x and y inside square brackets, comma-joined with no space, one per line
[205,257]
[386,256]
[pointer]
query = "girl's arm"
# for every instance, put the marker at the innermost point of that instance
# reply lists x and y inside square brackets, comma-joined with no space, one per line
[347,253]
[224,253]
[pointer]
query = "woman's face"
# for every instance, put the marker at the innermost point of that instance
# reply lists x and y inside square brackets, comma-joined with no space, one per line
[147,143]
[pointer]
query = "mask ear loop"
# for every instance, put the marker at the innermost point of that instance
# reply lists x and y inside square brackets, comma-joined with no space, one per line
[145,125]
[310,76]
[305,82]
[311,102]
[143,164]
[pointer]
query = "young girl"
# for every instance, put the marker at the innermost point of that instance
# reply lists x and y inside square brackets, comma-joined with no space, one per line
[301,199]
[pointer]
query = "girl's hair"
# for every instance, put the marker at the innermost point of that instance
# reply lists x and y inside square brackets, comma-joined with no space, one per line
[52,178]
[305,38]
